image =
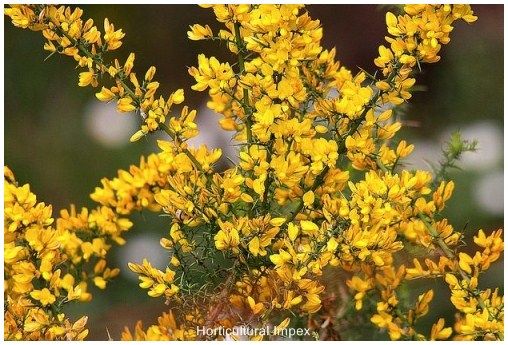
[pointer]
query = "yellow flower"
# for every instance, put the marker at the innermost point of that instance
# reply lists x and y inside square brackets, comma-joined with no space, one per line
[309,227]
[87,78]
[255,307]
[129,64]
[136,136]
[112,38]
[277,221]
[99,282]
[125,104]
[308,198]
[439,332]
[177,97]
[227,237]
[382,320]
[254,247]
[281,258]
[293,231]
[44,296]
[105,95]
[198,32]
[211,74]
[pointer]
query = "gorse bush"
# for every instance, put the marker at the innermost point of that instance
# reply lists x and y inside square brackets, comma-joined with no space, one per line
[318,205]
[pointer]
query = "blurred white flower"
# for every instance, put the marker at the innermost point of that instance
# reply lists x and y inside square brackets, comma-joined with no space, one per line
[489,192]
[424,154]
[107,126]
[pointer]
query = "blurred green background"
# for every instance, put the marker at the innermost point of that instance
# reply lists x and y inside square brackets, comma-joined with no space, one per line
[62,141]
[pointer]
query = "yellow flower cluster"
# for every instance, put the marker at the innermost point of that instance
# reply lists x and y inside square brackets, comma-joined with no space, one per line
[68,34]
[44,263]
[480,310]
[166,329]
[160,283]
[318,187]
[133,190]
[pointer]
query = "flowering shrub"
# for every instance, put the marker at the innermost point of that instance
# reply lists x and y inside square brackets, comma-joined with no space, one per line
[318,189]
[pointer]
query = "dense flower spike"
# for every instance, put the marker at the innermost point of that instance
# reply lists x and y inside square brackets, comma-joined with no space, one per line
[317,190]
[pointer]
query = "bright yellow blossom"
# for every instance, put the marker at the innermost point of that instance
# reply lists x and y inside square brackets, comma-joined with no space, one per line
[318,189]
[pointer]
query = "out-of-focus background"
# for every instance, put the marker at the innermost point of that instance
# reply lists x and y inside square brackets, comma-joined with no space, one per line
[61,140]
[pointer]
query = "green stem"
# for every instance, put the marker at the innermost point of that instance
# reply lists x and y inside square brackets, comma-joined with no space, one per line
[435,235]
[241,65]
[381,165]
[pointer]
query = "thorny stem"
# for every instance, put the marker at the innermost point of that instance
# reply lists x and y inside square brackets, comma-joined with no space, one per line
[381,165]
[240,44]
[455,148]
[444,247]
